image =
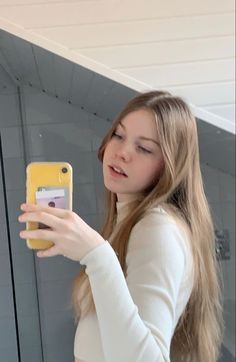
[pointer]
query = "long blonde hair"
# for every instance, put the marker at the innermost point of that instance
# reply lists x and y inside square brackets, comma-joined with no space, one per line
[198,334]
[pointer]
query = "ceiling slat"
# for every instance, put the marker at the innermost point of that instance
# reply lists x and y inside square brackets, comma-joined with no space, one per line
[205,94]
[134,32]
[39,2]
[224,110]
[162,53]
[185,73]
[186,45]
[61,14]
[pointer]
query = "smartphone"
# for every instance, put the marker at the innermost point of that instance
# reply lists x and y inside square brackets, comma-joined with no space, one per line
[49,184]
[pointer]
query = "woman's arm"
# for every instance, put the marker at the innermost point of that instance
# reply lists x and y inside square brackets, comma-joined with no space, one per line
[137,316]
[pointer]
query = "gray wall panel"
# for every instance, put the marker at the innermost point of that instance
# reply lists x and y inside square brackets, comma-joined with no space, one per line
[8,338]
[22,258]
[58,131]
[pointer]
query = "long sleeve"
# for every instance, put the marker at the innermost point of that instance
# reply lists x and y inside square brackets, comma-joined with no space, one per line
[137,315]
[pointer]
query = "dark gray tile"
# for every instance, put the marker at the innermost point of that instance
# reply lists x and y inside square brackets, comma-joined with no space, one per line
[3,238]
[228,215]
[26,299]
[100,197]
[23,266]
[9,354]
[5,271]
[9,106]
[18,245]
[93,221]
[97,169]
[59,352]
[1,178]
[14,199]
[29,331]
[7,332]
[12,142]
[29,354]
[216,213]
[54,110]
[56,269]
[211,183]
[2,209]
[58,328]
[58,140]
[14,173]
[227,187]
[226,356]
[84,199]
[99,127]
[56,296]
[6,301]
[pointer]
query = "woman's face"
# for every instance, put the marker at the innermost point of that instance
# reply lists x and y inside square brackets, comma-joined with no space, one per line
[134,150]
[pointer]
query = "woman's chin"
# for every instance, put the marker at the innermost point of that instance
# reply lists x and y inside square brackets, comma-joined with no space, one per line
[113,188]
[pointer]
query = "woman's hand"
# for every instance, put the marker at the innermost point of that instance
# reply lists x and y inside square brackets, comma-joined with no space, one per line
[71,236]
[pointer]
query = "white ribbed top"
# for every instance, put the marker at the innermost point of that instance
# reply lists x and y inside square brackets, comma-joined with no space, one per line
[135,317]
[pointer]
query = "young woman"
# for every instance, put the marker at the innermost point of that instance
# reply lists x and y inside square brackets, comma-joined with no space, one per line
[148,289]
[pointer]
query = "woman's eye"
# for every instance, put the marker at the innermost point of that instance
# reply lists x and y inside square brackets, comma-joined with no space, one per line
[144,150]
[116,135]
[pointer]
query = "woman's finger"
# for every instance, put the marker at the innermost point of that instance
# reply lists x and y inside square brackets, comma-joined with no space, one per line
[61,213]
[43,217]
[53,251]
[38,234]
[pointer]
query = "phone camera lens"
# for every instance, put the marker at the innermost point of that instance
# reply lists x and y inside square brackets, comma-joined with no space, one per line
[64,170]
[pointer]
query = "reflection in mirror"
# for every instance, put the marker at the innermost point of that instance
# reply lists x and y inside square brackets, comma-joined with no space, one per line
[51,110]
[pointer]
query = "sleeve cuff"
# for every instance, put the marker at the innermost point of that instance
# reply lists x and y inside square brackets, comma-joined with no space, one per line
[100,256]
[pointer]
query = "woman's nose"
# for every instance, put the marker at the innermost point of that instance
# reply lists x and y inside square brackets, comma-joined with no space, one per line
[124,152]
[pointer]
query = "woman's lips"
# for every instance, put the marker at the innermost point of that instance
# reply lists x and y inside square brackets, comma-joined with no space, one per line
[116,174]
[117,168]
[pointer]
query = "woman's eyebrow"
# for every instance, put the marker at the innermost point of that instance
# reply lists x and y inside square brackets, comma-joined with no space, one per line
[141,137]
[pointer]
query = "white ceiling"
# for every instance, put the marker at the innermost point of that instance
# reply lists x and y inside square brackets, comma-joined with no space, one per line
[185,46]
[98,53]
[24,63]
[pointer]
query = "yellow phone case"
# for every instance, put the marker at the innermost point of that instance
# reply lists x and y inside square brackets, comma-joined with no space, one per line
[54,176]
